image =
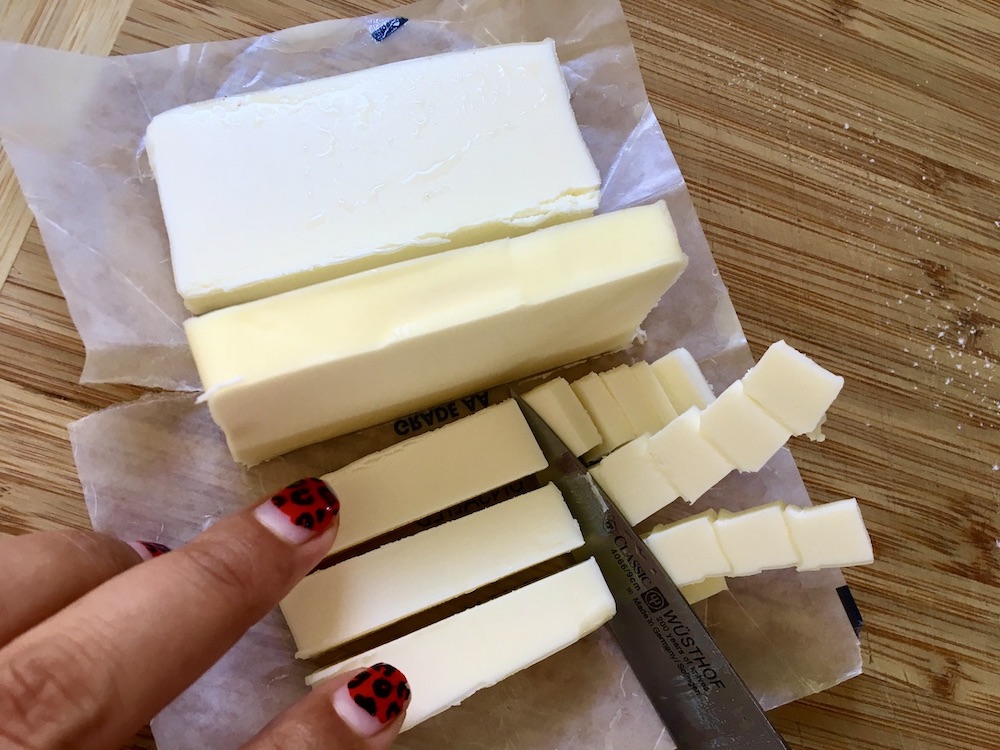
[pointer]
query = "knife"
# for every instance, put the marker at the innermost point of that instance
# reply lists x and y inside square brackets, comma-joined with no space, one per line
[702,701]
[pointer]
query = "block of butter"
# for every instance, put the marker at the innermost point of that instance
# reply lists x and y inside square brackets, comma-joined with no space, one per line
[273,190]
[450,660]
[455,462]
[318,362]
[360,595]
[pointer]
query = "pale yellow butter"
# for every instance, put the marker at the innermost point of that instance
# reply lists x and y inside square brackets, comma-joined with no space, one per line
[741,430]
[624,388]
[683,381]
[831,535]
[557,404]
[303,366]
[634,481]
[333,606]
[653,395]
[273,190]
[691,463]
[756,539]
[433,471]
[689,550]
[448,661]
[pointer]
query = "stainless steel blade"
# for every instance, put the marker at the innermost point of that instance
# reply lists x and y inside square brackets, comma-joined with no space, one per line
[702,701]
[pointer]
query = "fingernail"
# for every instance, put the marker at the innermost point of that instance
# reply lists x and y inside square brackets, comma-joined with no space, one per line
[301,511]
[149,550]
[372,699]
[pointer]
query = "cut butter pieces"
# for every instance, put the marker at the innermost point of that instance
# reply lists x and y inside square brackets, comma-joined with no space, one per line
[433,471]
[741,430]
[697,592]
[318,362]
[765,537]
[557,404]
[634,481]
[273,190]
[624,387]
[683,381]
[691,463]
[609,416]
[448,661]
[362,594]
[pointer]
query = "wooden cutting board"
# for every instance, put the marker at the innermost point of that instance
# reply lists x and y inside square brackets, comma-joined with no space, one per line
[843,156]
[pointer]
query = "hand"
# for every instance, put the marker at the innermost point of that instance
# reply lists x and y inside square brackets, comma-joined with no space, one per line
[86,619]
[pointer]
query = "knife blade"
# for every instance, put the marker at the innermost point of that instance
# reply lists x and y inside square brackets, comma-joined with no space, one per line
[695,690]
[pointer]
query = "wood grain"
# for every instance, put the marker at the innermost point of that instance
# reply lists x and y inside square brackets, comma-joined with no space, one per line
[843,156]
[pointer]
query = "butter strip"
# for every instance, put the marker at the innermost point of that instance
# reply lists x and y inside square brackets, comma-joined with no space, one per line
[335,357]
[365,593]
[274,190]
[447,662]
[832,535]
[433,471]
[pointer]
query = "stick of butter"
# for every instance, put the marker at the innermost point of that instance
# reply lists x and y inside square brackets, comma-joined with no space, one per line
[361,595]
[450,660]
[433,471]
[318,362]
[273,190]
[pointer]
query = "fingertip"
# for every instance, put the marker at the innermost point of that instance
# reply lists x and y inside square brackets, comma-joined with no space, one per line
[373,700]
[301,512]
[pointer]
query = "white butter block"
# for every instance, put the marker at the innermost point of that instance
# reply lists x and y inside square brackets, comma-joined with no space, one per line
[362,594]
[318,362]
[698,592]
[273,190]
[742,431]
[624,388]
[433,471]
[792,388]
[634,481]
[683,381]
[557,404]
[832,535]
[689,550]
[691,463]
[607,413]
[756,539]
[653,394]
[447,662]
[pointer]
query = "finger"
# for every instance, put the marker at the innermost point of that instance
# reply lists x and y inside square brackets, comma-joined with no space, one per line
[88,676]
[359,711]
[45,572]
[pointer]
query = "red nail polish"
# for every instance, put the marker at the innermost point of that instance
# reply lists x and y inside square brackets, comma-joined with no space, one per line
[301,511]
[381,691]
[149,550]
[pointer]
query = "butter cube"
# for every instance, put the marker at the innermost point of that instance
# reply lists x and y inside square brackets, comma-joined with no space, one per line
[689,550]
[624,388]
[274,190]
[832,535]
[335,357]
[654,396]
[691,463]
[742,431]
[607,413]
[634,481]
[433,471]
[698,592]
[557,404]
[756,539]
[450,660]
[683,381]
[333,606]
[792,388]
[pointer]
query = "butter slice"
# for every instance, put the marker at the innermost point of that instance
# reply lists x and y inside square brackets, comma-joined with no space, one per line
[792,388]
[697,592]
[362,594]
[689,550]
[447,662]
[311,364]
[433,471]
[683,381]
[624,388]
[557,404]
[273,190]
[832,535]
[653,394]
[634,481]
[756,539]
[742,431]
[607,413]
[691,463]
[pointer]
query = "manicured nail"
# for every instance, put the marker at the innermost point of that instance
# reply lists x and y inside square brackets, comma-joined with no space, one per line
[301,511]
[149,550]
[372,699]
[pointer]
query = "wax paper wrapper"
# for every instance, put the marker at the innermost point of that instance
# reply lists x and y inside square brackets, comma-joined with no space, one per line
[159,469]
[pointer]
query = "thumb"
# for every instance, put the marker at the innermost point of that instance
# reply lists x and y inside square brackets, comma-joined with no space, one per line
[354,711]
